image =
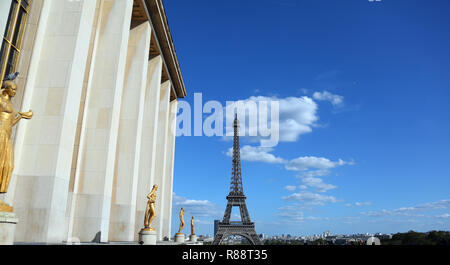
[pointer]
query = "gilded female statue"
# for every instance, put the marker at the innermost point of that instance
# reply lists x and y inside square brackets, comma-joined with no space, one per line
[8,119]
[181,220]
[192,226]
[150,212]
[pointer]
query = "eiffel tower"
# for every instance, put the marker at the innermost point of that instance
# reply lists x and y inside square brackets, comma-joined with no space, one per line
[245,228]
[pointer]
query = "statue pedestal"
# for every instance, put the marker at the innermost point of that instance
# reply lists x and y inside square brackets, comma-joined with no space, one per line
[179,238]
[8,223]
[193,238]
[147,237]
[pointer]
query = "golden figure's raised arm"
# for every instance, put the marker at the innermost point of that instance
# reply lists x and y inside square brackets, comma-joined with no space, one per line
[26,115]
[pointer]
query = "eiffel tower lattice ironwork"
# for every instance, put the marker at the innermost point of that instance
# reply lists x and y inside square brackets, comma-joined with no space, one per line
[245,228]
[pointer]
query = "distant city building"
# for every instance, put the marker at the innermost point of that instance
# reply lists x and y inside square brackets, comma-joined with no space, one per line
[263,236]
[373,241]
[383,236]
[354,239]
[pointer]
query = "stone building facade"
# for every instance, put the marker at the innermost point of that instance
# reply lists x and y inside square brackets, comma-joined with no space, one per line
[102,78]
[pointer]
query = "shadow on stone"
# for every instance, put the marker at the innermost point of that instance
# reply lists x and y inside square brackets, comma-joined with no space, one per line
[97,237]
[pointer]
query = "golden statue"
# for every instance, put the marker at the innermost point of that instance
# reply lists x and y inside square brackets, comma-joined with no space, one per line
[150,212]
[181,220]
[8,119]
[192,226]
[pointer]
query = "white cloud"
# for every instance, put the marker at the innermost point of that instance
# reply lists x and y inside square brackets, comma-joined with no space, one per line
[297,116]
[358,204]
[263,154]
[194,202]
[235,217]
[443,204]
[397,212]
[309,198]
[202,208]
[310,178]
[294,214]
[304,91]
[203,222]
[291,213]
[315,173]
[318,184]
[290,188]
[411,211]
[257,154]
[446,215]
[335,100]
[308,162]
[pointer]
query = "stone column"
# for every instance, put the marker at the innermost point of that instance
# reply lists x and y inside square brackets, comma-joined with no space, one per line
[161,157]
[44,145]
[168,179]
[91,203]
[4,11]
[8,223]
[31,72]
[148,143]
[26,51]
[128,159]
[80,117]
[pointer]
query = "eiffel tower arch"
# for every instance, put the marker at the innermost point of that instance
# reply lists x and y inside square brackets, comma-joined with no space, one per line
[236,198]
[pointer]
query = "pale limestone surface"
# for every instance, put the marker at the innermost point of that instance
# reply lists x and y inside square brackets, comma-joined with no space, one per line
[179,238]
[80,117]
[23,67]
[147,237]
[4,11]
[45,145]
[25,52]
[91,202]
[8,223]
[78,172]
[25,101]
[161,154]
[148,142]
[128,159]
[168,177]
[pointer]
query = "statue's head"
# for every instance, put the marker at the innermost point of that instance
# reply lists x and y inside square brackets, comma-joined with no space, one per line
[155,187]
[9,88]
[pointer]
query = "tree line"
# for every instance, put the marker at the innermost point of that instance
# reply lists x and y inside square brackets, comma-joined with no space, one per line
[433,238]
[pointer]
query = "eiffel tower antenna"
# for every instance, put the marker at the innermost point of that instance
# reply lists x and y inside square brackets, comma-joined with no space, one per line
[236,188]
[236,197]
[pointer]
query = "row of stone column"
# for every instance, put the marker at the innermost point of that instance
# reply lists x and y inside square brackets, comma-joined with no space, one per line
[103,131]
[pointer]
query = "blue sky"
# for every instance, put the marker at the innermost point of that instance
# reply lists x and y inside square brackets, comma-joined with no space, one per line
[369,83]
